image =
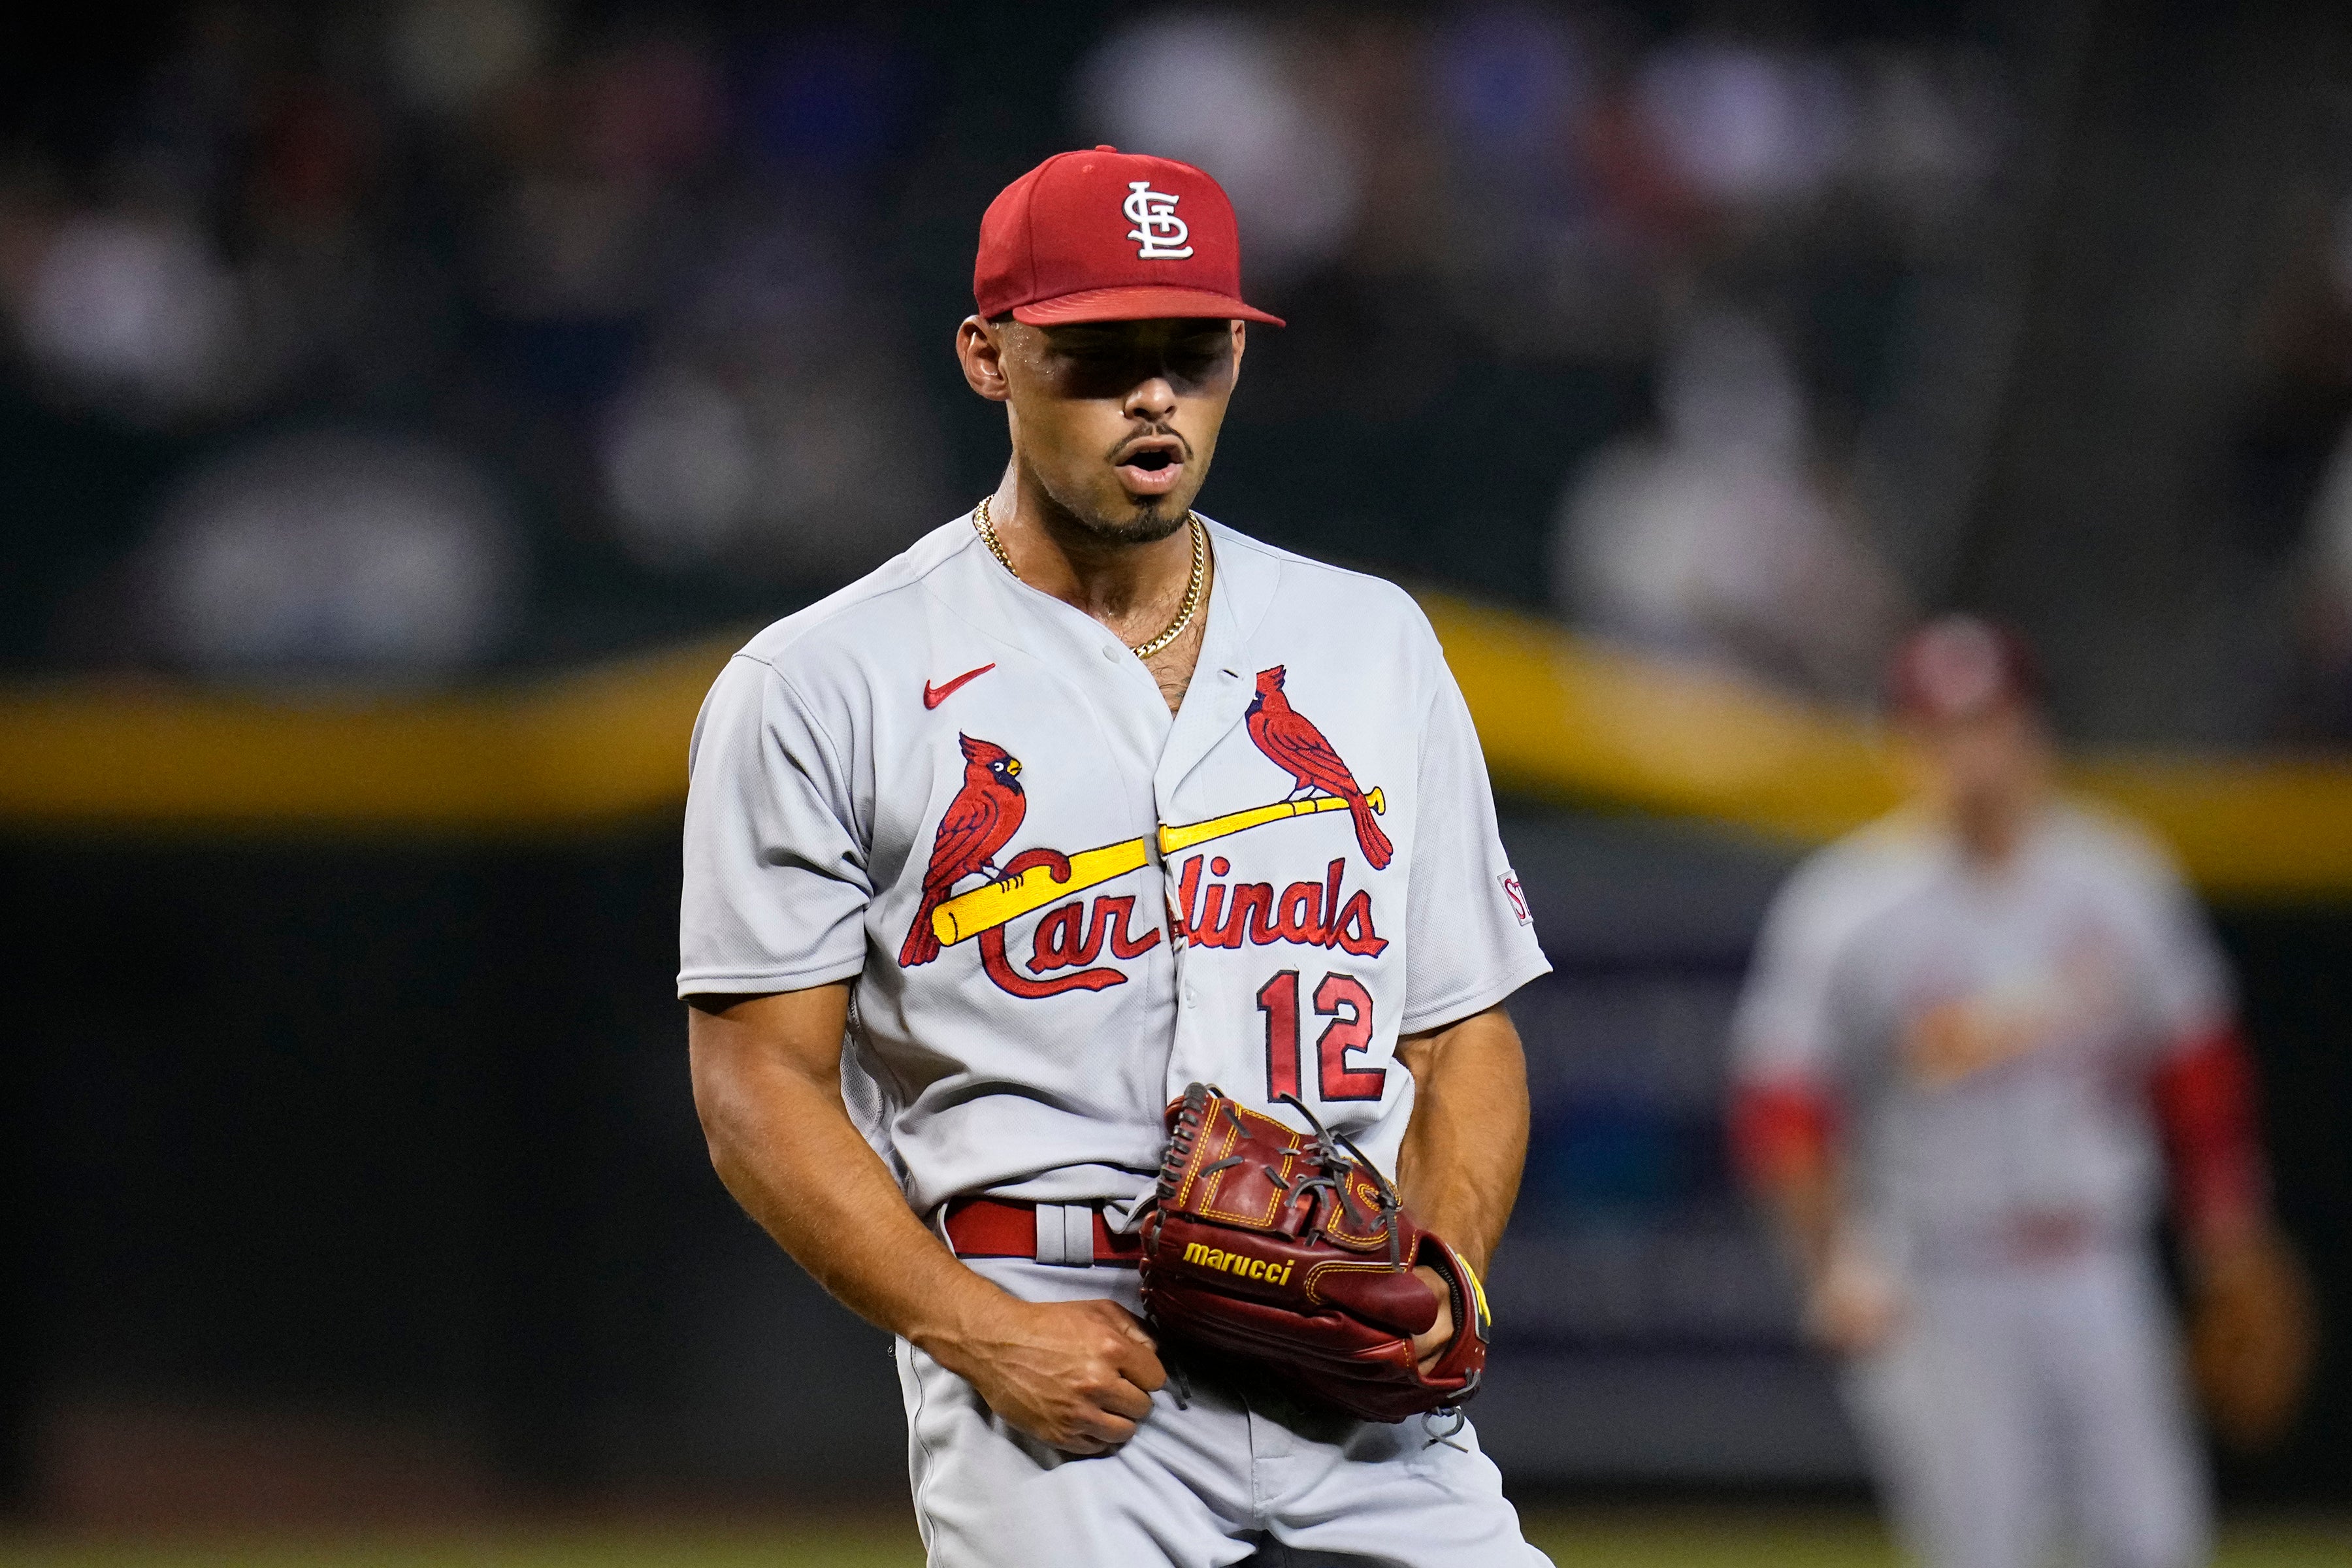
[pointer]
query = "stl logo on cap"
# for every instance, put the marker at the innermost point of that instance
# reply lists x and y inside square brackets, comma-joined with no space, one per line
[1159,234]
[1053,249]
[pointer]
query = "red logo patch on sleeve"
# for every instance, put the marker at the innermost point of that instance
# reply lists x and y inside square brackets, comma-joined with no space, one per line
[1511,890]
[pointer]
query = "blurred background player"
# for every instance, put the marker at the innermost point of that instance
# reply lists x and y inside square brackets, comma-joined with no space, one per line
[1968,1026]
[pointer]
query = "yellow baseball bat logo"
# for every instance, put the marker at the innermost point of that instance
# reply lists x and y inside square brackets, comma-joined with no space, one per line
[984,909]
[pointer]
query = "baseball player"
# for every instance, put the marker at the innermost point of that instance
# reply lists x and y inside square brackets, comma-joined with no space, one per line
[1970,1029]
[1083,801]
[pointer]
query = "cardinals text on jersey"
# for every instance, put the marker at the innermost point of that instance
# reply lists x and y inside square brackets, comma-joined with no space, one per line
[990,807]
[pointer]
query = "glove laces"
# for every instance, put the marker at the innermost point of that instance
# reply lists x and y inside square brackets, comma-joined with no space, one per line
[1338,1152]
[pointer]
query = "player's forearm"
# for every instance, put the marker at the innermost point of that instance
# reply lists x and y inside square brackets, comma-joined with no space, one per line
[1458,1169]
[1782,1136]
[1806,1214]
[783,1142]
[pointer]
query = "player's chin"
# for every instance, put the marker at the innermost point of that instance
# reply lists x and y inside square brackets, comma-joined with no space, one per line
[1142,519]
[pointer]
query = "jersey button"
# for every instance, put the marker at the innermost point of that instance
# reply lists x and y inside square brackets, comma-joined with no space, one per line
[1110,653]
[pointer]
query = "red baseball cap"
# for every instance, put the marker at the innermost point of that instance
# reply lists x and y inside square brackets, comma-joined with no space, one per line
[1957,667]
[1107,235]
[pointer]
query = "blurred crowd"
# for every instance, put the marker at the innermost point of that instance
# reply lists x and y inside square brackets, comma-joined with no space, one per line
[430,291]
[396,340]
[1727,219]
[452,329]
[2294,472]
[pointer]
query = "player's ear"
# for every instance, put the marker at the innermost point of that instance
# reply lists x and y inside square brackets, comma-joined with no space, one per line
[1241,341]
[979,346]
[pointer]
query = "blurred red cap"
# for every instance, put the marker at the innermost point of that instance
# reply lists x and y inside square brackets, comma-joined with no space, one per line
[1108,235]
[1957,667]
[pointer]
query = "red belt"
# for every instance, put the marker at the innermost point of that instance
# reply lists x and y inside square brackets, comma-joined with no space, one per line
[999,1227]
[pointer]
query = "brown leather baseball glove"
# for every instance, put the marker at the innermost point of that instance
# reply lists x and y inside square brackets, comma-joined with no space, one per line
[1292,1250]
[2251,1340]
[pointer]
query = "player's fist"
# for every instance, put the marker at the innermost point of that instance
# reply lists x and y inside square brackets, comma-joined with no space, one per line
[1076,1375]
[2250,1335]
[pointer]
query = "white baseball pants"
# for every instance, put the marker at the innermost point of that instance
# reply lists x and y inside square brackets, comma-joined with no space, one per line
[2022,1398]
[1236,1474]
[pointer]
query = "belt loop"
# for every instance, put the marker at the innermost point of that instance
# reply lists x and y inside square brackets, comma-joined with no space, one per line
[1065,1234]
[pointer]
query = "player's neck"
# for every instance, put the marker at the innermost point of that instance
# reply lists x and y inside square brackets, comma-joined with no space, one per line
[1131,588]
[1992,833]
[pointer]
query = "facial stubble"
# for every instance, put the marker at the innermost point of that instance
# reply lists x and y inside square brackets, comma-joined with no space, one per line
[1148,522]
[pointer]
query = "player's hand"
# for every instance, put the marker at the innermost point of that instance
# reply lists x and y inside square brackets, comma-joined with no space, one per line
[1428,1346]
[1855,1307]
[2251,1333]
[1076,1375]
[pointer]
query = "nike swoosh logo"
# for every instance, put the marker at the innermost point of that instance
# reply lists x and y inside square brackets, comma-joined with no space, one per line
[935,695]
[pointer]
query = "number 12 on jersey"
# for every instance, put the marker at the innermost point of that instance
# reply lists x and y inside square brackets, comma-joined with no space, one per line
[1340,998]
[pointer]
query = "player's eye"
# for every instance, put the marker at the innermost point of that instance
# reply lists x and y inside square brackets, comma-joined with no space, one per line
[1193,361]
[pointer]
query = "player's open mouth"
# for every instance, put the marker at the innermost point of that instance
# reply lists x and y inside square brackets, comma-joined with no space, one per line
[1151,467]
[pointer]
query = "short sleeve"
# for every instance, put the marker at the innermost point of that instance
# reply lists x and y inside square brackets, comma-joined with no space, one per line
[2184,985]
[775,880]
[1784,1029]
[1470,941]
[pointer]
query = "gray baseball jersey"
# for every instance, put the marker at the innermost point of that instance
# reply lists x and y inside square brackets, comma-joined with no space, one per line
[1062,903]
[1988,1036]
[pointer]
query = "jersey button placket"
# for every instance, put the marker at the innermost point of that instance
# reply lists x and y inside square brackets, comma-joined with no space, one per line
[1181,950]
[1187,995]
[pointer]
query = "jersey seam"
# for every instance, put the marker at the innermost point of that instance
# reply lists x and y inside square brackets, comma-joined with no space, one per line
[1277,559]
[861,1039]
[1421,762]
[807,713]
[915,1426]
[1428,710]
[1002,638]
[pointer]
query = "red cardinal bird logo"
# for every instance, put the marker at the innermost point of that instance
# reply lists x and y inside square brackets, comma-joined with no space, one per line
[1294,744]
[985,813]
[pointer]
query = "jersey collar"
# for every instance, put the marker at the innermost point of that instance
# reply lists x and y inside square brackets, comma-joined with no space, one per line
[973,584]
[1223,682]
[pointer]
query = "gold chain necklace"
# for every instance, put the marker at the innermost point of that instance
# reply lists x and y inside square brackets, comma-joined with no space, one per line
[1191,590]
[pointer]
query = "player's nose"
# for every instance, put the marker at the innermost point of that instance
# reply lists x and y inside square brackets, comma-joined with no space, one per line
[1152,399]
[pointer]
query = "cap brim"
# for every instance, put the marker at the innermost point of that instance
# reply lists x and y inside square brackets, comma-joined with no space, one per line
[1137,302]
